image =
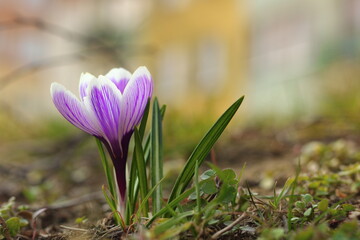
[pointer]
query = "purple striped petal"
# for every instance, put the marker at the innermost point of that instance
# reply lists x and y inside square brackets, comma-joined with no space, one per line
[72,109]
[103,100]
[135,97]
[120,77]
[85,79]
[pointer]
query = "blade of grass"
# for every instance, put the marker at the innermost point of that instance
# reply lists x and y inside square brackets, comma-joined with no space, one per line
[197,188]
[171,204]
[170,210]
[202,149]
[173,232]
[141,170]
[292,197]
[172,222]
[117,217]
[108,172]
[241,173]
[197,191]
[252,199]
[144,201]
[156,161]
[144,119]
[147,144]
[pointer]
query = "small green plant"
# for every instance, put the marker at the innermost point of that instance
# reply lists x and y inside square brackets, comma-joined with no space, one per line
[11,220]
[211,203]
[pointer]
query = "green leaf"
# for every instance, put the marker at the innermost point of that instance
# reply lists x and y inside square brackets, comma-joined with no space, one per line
[172,222]
[292,187]
[13,225]
[300,204]
[227,176]
[295,219]
[108,172]
[272,233]
[144,120]
[23,222]
[202,149]
[162,111]
[141,169]
[133,176]
[156,160]
[144,201]
[308,212]
[227,194]
[287,187]
[323,205]
[209,187]
[208,174]
[197,188]
[133,179]
[307,198]
[348,207]
[113,207]
[171,204]
[174,232]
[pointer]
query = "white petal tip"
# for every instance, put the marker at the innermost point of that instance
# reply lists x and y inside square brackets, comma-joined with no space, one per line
[56,87]
[99,82]
[118,74]
[86,75]
[142,70]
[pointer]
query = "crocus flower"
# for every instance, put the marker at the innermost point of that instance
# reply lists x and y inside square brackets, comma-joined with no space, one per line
[109,108]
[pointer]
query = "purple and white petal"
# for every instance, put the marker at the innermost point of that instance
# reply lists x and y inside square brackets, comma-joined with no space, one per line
[85,79]
[103,101]
[120,77]
[72,109]
[135,97]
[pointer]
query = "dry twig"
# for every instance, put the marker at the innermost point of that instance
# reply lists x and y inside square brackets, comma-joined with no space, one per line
[229,227]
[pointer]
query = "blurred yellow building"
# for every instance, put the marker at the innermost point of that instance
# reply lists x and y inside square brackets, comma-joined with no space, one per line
[203,54]
[200,51]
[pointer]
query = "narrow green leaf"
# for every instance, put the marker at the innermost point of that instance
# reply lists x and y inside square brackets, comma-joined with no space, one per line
[144,119]
[108,172]
[197,188]
[292,197]
[130,204]
[113,207]
[170,210]
[172,222]
[134,181]
[147,148]
[171,204]
[147,144]
[173,232]
[162,111]
[156,161]
[144,201]
[202,149]
[141,169]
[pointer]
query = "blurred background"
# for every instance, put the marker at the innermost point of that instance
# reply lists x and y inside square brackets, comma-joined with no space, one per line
[297,63]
